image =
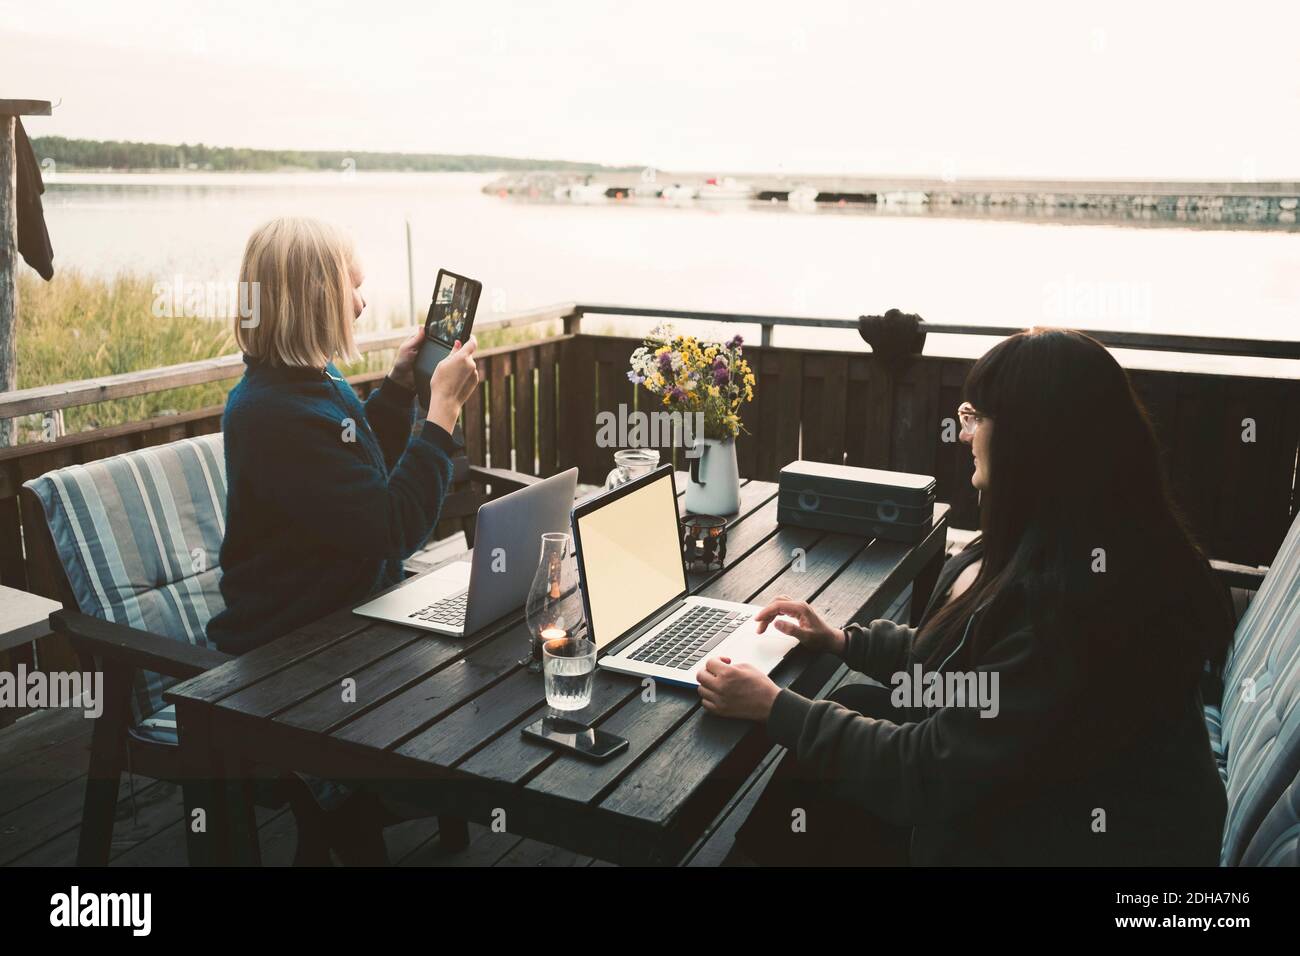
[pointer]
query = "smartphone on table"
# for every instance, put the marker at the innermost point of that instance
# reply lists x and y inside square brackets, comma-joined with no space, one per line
[450,320]
[565,734]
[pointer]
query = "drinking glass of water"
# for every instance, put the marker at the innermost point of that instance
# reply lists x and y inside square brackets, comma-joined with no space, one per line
[568,664]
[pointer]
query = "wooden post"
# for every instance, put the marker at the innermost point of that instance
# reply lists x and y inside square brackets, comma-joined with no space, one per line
[410,275]
[10,110]
[8,289]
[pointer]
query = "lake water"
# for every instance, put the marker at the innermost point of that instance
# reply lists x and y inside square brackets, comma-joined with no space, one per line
[726,257]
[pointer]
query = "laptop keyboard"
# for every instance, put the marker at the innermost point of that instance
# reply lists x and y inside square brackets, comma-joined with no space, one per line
[684,643]
[450,610]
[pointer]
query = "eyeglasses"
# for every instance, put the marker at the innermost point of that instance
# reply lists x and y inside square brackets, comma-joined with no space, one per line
[970,419]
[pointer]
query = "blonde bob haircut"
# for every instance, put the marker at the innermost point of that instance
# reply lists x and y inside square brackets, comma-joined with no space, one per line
[297,280]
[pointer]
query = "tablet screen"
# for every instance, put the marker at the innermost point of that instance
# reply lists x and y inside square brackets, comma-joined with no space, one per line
[452,302]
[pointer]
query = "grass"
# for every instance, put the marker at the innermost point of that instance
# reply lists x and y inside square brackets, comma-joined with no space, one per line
[82,326]
[79,326]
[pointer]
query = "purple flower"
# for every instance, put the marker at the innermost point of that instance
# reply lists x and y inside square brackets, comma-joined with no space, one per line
[677,394]
[721,376]
[634,378]
[666,362]
[736,342]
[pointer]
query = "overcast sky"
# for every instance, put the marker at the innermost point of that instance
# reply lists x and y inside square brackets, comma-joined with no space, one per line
[1161,90]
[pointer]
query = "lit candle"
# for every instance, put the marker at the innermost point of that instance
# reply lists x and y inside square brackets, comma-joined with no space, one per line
[552,632]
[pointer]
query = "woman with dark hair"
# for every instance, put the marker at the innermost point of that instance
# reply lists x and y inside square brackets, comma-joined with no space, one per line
[1084,605]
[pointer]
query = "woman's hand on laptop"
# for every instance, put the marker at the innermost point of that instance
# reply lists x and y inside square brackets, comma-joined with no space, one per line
[453,382]
[807,625]
[736,690]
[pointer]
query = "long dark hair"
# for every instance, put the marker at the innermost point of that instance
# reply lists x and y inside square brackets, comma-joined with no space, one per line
[1076,482]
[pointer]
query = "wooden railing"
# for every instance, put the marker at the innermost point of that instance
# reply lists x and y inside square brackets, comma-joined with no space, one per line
[47,399]
[536,412]
[1145,341]
[838,406]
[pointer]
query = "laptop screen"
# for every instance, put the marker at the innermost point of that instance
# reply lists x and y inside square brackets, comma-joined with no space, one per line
[631,558]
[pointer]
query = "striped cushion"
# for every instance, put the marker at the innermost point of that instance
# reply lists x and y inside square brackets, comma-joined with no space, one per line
[1261,717]
[1277,841]
[159,728]
[1214,724]
[139,536]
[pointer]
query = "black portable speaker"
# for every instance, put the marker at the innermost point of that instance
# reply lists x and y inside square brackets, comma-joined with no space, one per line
[879,504]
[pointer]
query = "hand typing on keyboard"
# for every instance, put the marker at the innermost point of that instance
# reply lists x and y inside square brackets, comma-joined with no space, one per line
[736,690]
[686,641]
[800,621]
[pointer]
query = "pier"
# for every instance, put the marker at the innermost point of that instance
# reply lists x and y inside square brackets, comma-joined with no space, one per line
[1223,202]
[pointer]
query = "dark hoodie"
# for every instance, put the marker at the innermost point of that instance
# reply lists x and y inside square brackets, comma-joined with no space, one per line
[1095,757]
[327,496]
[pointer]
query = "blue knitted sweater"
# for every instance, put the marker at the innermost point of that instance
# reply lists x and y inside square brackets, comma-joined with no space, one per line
[326,496]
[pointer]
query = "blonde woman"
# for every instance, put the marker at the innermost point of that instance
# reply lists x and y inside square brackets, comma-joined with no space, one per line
[326,494]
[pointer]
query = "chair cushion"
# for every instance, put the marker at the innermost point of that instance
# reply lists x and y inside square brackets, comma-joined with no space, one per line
[1214,724]
[1261,716]
[1277,840]
[159,728]
[139,537]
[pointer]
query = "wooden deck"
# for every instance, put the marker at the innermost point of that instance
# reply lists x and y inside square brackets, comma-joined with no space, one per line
[828,406]
[43,760]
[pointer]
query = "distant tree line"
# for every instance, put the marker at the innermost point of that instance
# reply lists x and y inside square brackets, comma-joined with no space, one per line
[115,154]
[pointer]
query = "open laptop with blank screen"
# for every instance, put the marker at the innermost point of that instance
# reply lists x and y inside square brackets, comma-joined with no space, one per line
[640,614]
[461,597]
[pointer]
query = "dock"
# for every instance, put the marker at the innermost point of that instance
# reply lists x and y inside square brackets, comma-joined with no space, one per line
[1225,202]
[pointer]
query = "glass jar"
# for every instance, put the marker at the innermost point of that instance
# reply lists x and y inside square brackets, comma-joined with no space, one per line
[631,463]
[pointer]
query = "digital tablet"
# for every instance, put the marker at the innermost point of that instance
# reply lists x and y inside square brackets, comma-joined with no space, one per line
[450,320]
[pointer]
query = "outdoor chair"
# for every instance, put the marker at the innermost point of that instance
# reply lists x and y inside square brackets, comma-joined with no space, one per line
[1255,727]
[129,545]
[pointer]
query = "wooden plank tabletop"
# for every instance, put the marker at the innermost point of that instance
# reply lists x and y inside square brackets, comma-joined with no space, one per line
[437,719]
[23,617]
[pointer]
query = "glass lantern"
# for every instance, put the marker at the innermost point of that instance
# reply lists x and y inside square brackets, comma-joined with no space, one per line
[553,610]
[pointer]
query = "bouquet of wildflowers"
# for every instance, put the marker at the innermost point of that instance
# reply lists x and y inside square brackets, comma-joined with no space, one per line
[691,376]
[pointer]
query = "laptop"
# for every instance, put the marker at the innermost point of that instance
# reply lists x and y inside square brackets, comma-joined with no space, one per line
[639,613]
[461,597]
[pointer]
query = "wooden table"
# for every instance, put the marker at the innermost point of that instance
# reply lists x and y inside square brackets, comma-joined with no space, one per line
[436,720]
[24,618]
